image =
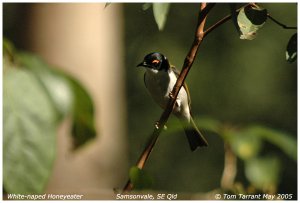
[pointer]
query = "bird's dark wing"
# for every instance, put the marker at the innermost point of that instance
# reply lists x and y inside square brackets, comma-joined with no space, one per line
[184,85]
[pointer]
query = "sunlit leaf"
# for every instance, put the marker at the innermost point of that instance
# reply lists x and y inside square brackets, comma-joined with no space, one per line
[160,11]
[245,144]
[250,20]
[29,128]
[263,173]
[140,179]
[291,50]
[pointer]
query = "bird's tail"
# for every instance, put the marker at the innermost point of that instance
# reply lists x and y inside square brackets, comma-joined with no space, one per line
[194,136]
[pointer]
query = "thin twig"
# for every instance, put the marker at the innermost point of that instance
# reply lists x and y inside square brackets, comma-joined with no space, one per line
[204,10]
[217,24]
[280,24]
[220,22]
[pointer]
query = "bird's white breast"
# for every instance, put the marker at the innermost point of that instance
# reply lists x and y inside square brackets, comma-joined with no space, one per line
[160,84]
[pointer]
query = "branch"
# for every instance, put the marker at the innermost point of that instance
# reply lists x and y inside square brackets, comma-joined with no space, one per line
[188,62]
[230,168]
[280,24]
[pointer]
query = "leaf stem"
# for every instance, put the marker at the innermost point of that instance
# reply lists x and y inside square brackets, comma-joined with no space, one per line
[281,24]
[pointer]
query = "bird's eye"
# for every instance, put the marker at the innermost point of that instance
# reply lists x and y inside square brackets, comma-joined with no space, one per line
[155,61]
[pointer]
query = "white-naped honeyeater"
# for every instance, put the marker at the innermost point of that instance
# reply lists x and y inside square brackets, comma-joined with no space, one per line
[160,78]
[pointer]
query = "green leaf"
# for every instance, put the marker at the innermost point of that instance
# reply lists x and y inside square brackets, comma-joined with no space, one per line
[83,129]
[140,179]
[291,49]
[284,141]
[146,6]
[264,172]
[160,11]
[29,123]
[56,86]
[250,20]
[67,95]
[245,144]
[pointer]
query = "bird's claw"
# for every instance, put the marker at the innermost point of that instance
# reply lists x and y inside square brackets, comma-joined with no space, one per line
[157,125]
[171,95]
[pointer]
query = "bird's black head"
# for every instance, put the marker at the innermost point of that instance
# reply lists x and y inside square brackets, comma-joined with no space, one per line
[155,61]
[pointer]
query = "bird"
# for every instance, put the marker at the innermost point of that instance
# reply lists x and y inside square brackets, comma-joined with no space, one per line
[159,78]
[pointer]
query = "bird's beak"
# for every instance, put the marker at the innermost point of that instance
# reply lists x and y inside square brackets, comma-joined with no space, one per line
[142,64]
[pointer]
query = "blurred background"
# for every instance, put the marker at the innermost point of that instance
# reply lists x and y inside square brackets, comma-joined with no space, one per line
[234,81]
